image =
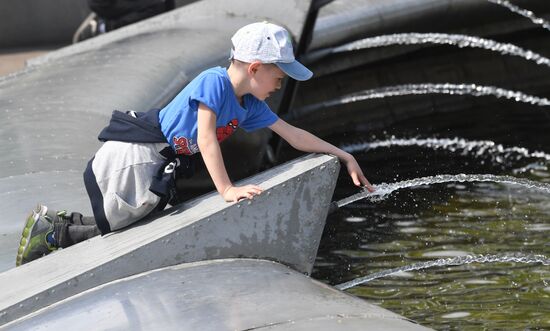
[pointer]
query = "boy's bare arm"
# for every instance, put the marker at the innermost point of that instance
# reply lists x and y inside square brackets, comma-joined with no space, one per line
[307,142]
[212,156]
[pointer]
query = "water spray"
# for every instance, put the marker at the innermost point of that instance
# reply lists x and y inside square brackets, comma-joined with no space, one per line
[455,261]
[459,40]
[523,12]
[383,190]
[427,88]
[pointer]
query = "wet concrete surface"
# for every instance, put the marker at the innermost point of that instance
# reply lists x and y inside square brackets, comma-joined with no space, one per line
[13,60]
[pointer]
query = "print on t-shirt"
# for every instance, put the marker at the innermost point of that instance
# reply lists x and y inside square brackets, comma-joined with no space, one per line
[186,146]
[225,131]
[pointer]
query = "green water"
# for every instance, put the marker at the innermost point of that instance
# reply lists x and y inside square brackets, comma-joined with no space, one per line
[447,220]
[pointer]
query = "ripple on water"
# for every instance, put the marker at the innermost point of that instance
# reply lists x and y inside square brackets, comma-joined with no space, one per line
[457,314]
[403,274]
[479,281]
[355,219]
[537,227]
[542,174]
[412,230]
[405,223]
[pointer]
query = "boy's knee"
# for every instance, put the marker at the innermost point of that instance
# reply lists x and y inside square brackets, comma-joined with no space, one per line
[121,213]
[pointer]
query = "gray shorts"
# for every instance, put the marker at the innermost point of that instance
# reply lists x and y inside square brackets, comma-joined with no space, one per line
[124,173]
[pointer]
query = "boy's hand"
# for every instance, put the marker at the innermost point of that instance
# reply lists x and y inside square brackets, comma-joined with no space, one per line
[356,173]
[305,141]
[236,193]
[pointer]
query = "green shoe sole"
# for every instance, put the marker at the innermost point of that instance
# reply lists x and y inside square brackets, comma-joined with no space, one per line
[34,243]
[25,238]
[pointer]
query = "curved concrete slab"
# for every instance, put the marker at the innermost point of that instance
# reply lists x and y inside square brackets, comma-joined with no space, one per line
[216,295]
[284,224]
[342,21]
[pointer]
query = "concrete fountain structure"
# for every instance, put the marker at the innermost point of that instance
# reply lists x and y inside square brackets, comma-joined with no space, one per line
[192,269]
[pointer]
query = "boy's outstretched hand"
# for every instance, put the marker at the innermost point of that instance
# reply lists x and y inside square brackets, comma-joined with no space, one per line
[306,142]
[356,173]
[236,193]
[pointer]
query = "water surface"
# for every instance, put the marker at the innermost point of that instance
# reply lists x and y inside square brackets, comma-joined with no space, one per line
[443,220]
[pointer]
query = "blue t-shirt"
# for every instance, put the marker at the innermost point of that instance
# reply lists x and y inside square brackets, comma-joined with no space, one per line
[178,120]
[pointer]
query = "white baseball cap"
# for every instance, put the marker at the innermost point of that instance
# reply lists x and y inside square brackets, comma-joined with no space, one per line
[268,43]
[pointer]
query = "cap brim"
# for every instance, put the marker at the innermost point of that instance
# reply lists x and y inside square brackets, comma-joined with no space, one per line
[295,70]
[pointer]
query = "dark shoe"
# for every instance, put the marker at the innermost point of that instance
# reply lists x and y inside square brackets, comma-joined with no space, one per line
[34,243]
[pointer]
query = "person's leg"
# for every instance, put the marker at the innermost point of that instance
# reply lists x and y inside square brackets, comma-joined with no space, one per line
[74,228]
[122,174]
[47,230]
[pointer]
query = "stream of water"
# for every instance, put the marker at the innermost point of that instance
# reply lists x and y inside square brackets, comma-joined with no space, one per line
[444,39]
[458,261]
[383,190]
[523,12]
[421,89]
[498,152]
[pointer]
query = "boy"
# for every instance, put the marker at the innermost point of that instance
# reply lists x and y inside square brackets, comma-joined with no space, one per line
[132,174]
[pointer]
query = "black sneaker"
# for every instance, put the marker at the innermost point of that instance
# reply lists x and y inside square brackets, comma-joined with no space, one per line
[34,239]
